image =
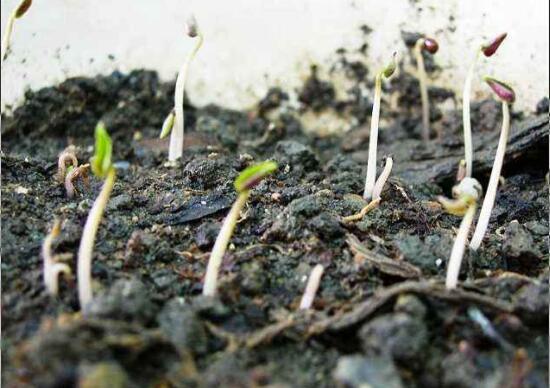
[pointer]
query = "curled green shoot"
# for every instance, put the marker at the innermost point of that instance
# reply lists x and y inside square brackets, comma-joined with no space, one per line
[175,150]
[102,167]
[466,195]
[386,73]
[507,96]
[428,45]
[487,50]
[17,13]
[248,178]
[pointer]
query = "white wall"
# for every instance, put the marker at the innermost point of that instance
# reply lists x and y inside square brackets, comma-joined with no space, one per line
[253,44]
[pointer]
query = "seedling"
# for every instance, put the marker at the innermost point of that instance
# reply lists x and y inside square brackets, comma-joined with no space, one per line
[431,46]
[74,174]
[247,179]
[488,50]
[311,287]
[507,96]
[66,159]
[17,13]
[386,73]
[52,268]
[466,195]
[103,168]
[382,179]
[175,120]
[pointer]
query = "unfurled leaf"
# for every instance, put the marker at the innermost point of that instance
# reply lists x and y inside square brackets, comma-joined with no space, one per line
[252,175]
[101,162]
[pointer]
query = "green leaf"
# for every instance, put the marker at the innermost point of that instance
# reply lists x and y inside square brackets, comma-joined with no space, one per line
[252,175]
[167,125]
[101,161]
[388,71]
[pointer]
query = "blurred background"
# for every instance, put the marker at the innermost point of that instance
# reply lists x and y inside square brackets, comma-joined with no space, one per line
[251,45]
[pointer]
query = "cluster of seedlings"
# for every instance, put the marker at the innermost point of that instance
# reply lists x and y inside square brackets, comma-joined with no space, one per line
[466,194]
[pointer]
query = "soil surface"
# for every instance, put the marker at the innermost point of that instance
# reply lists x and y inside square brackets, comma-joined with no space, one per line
[381,318]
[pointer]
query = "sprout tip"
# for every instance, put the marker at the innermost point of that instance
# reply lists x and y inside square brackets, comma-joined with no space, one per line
[191,27]
[490,48]
[501,89]
[252,175]
[430,45]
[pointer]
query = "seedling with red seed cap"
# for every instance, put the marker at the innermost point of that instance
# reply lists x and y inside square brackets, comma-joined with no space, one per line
[487,50]
[507,96]
[430,46]
[17,13]
[247,179]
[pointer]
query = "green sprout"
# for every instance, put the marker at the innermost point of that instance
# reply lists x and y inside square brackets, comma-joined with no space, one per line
[17,13]
[466,195]
[488,50]
[506,95]
[174,122]
[102,167]
[431,46]
[386,73]
[249,178]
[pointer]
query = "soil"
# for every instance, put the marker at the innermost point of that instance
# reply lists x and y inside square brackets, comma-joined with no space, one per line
[382,317]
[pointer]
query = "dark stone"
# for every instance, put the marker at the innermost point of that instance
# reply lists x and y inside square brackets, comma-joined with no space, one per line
[199,207]
[298,156]
[207,233]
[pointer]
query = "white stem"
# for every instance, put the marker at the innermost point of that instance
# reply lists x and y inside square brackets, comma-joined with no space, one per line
[373,139]
[468,148]
[453,269]
[48,257]
[220,246]
[176,138]
[490,195]
[382,179]
[423,80]
[55,271]
[311,287]
[85,251]
[7,35]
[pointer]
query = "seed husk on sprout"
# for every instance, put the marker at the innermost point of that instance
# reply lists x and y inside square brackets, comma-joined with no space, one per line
[466,195]
[102,167]
[431,46]
[507,96]
[246,180]
[487,50]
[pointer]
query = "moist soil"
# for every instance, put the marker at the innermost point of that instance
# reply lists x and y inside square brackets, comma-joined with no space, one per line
[381,318]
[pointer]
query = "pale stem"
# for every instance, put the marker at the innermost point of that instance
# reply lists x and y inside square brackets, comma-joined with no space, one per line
[85,251]
[422,79]
[457,253]
[468,148]
[48,257]
[373,139]
[176,138]
[382,179]
[311,287]
[7,35]
[220,246]
[489,200]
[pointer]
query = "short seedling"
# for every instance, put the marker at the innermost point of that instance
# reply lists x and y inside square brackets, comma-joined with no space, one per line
[507,96]
[17,13]
[249,178]
[67,159]
[466,195]
[74,174]
[52,268]
[428,45]
[386,73]
[102,167]
[488,50]
[175,120]
[311,287]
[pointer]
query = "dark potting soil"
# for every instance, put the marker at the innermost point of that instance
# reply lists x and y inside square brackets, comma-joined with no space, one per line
[382,317]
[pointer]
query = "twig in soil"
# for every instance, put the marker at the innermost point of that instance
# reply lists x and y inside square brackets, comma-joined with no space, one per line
[233,342]
[102,167]
[249,178]
[75,173]
[382,263]
[386,73]
[67,157]
[428,45]
[52,268]
[467,193]
[488,50]
[175,118]
[312,286]
[267,333]
[365,309]
[17,13]
[359,216]
[507,96]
